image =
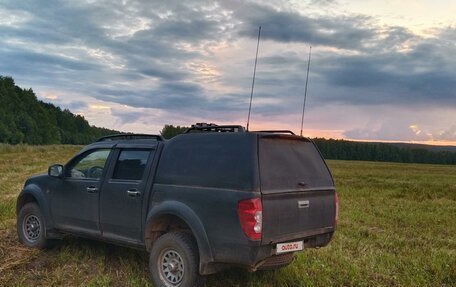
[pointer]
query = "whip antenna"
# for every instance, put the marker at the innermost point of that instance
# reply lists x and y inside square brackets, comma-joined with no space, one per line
[253,81]
[305,90]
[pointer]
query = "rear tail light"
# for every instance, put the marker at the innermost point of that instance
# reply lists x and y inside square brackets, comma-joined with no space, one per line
[250,214]
[336,204]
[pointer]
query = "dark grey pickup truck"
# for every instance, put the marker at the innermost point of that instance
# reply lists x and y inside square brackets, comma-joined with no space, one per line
[214,197]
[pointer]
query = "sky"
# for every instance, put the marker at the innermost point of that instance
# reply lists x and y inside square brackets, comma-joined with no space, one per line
[380,70]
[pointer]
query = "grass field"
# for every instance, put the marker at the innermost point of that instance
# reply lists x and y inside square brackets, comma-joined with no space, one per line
[397,227]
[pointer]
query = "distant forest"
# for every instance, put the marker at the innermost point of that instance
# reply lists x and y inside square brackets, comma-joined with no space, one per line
[351,150]
[25,119]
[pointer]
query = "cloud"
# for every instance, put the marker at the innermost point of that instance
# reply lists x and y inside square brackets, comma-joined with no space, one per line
[447,135]
[75,105]
[323,2]
[390,131]
[424,74]
[126,116]
[195,58]
[346,32]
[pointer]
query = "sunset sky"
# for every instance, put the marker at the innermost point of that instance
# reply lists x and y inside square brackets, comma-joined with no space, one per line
[380,70]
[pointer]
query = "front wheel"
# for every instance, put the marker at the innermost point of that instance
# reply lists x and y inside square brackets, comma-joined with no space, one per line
[174,261]
[31,226]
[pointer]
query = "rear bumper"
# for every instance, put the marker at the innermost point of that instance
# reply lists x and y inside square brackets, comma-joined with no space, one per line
[301,235]
[267,250]
[257,256]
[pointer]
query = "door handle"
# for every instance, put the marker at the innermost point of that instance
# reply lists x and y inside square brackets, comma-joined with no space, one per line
[92,189]
[133,193]
[303,204]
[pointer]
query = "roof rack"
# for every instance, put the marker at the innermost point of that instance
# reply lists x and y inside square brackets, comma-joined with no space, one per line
[276,132]
[205,127]
[130,137]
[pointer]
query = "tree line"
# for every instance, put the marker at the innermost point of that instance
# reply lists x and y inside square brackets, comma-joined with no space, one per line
[25,119]
[350,150]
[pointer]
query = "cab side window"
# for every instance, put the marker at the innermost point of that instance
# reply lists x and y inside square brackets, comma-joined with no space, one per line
[90,166]
[131,164]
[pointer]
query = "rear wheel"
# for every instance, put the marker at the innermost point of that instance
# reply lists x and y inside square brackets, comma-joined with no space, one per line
[31,227]
[174,261]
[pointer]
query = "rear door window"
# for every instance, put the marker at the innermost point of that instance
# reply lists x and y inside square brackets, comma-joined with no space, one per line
[131,164]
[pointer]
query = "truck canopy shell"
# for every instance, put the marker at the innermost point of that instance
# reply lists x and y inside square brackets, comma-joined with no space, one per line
[243,161]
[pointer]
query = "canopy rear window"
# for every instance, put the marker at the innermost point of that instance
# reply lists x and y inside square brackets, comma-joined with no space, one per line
[291,164]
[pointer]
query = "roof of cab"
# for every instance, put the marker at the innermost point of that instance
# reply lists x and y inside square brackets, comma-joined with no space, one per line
[200,129]
[121,143]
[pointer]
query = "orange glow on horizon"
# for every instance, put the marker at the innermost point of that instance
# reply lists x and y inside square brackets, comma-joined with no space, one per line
[338,134]
[436,143]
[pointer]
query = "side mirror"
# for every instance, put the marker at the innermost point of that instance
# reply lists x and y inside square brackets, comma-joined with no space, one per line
[56,170]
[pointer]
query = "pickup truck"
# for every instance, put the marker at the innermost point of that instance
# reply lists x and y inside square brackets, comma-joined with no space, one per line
[208,199]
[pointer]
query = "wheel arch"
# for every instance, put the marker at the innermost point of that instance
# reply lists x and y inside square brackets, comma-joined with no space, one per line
[171,214]
[32,193]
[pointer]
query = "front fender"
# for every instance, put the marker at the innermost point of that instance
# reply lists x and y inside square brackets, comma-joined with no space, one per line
[32,192]
[185,213]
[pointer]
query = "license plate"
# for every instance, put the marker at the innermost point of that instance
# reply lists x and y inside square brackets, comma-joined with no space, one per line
[289,247]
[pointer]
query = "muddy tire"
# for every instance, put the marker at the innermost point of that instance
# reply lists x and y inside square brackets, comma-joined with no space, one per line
[174,261]
[31,227]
